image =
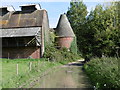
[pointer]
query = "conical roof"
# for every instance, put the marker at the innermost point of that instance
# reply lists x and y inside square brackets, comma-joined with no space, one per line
[64,28]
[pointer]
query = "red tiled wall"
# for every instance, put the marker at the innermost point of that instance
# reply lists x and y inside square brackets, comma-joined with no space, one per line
[21,52]
[65,41]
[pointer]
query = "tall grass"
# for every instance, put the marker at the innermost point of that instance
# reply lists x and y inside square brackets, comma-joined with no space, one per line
[104,72]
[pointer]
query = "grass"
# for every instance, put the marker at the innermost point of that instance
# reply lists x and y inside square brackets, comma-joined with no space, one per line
[10,79]
[104,72]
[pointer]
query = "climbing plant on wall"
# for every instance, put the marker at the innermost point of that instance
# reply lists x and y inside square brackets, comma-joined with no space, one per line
[73,47]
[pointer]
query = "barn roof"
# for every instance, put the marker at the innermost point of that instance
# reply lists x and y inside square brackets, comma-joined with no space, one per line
[20,32]
[30,16]
[63,28]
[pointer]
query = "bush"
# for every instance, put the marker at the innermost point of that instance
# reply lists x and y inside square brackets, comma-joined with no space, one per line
[69,56]
[52,53]
[104,72]
[59,54]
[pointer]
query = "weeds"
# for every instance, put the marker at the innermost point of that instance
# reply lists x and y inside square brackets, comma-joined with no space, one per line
[60,55]
[104,72]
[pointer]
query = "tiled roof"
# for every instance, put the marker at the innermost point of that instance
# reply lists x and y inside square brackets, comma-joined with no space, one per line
[63,28]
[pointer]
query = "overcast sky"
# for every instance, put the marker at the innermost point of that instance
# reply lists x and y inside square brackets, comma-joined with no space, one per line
[53,7]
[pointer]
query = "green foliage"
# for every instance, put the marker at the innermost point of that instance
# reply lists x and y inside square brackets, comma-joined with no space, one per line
[104,72]
[103,24]
[52,53]
[60,55]
[76,14]
[73,47]
[98,33]
[69,56]
[52,37]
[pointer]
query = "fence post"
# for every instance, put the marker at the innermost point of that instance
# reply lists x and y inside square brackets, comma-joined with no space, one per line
[30,66]
[17,69]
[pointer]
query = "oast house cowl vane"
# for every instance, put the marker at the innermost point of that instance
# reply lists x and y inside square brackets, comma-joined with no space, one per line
[64,32]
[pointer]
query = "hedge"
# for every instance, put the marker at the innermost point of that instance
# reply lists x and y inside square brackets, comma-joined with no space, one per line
[104,72]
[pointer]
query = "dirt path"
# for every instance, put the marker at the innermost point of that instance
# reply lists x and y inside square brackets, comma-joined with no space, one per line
[67,76]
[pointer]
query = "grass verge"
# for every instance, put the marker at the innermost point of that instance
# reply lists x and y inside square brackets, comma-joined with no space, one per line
[10,78]
[26,72]
[104,72]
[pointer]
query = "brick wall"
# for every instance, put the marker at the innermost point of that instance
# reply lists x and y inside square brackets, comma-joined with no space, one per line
[65,41]
[21,52]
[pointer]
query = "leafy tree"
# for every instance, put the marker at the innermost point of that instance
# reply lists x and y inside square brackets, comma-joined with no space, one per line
[105,25]
[98,33]
[77,16]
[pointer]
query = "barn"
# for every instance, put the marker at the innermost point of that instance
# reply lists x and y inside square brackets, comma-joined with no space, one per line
[24,32]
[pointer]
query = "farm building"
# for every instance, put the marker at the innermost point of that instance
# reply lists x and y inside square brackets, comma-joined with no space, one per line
[23,32]
[64,32]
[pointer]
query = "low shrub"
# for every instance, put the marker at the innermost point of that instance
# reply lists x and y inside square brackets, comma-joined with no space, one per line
[103,72]
[54,54]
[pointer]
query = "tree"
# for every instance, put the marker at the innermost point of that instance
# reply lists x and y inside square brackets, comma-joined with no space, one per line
[98,33]
[105,24]
[77,17]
